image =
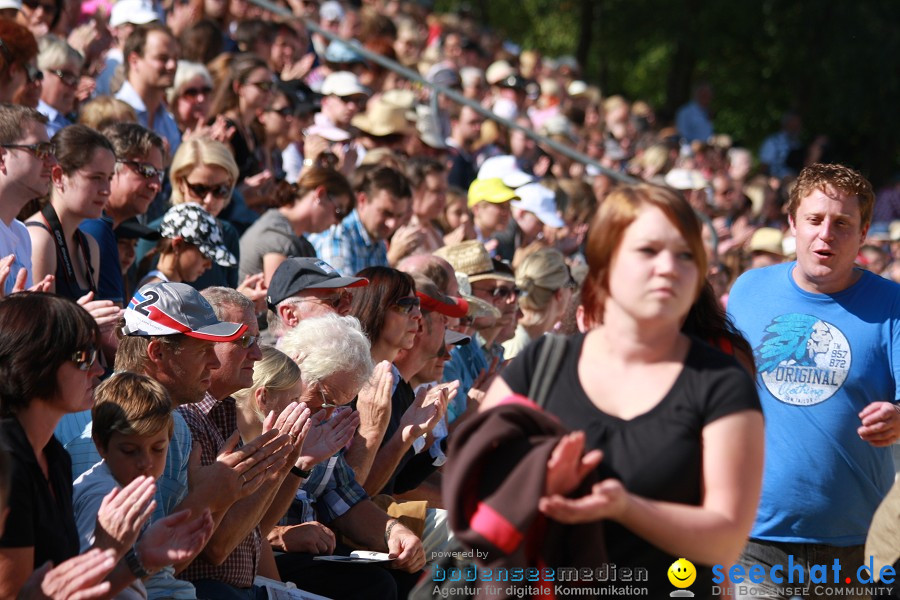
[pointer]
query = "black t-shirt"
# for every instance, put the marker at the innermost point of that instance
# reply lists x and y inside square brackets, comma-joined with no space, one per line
[656,455]
[38,518]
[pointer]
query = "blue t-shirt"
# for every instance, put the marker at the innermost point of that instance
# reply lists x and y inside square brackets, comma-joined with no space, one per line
[821,359]
[110,286]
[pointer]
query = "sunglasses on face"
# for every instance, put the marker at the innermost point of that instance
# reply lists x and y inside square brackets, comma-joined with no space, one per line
[69,79]
[147,170]
[405,305]
[220,191]
[246,341]
[40,150]
[196,91]
[503,292]
[339,211]
[33,73]
[85,359]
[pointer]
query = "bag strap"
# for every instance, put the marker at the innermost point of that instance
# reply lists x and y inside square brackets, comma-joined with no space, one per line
[549,358]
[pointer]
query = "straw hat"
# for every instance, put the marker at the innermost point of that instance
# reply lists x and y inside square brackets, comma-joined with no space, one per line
[478,308]
[383,118]
[471,257]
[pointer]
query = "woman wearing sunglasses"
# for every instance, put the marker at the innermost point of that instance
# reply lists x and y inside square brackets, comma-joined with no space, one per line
[203,171]
[320,199]
[18,51]
[190,95]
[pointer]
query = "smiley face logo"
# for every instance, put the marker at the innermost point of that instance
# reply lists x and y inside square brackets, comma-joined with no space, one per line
[682,573]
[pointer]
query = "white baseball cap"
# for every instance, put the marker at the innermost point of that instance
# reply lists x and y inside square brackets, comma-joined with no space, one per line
[136,12]
[343,83]
[541,201]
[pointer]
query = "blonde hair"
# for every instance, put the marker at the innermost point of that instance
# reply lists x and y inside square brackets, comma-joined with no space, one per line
[103,111]
[275,371]
[200,151]
[186,71]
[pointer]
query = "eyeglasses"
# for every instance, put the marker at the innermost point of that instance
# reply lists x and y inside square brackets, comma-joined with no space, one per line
[196,91]
[264,86]
[145,169]
[405,305]
[70,79]
[40,150]
[339,211]
[502,292]
[332,301]
[246,340]
[325,402]
[284,111]
[85,359]
[220,191]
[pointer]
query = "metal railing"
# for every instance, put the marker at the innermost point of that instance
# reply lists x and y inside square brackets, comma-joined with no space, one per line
[450,93]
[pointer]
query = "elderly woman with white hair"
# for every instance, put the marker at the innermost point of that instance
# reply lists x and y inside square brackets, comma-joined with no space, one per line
[334,363]
[61,65]
[190,95]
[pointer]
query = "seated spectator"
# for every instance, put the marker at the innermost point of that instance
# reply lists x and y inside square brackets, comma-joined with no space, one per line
[17,59]
[85,164]
[334,360]
[132,426]
[428,182]
[48,362]
[456,219]
[321,199]
[190,95]
[204,171]
[61,65]
[191,241]
[546,285]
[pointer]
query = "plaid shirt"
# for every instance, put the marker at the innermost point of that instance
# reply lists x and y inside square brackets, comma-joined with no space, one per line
[211,422]
[348,247]
[329,492]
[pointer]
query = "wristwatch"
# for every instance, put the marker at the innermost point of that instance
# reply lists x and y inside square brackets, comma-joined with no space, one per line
[134,564]
[300,472]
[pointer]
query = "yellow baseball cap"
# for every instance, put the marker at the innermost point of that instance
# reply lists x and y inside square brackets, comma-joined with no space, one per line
[490,190]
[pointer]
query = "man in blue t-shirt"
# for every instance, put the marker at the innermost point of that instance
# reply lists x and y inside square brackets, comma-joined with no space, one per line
[826,343]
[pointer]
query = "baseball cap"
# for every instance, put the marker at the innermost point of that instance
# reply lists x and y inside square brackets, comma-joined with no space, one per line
[331,11]
[344,83]
[196,226]
[132,229]
[297,274]
[136,12]
[13,4]
[455,338]
[506,168]
[342,53]
[490,190]
[433,299]
[167,308]
[541,201]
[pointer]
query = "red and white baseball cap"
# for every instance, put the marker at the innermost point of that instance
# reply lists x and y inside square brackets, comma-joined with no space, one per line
[167,308]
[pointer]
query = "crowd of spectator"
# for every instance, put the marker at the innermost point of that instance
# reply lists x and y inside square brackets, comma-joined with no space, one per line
[298,273]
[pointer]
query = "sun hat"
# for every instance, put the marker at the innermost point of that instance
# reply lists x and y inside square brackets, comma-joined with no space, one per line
[471,257]
[190,222]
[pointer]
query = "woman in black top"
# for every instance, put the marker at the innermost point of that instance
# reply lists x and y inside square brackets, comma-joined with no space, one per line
[678,423]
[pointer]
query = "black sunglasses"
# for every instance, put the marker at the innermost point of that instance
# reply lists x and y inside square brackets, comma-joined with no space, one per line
[406,305]
[85,359]
[504,292]
[220,191]
[70,79]
[145,169]
[40,150]
[33,73]
[196,91]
